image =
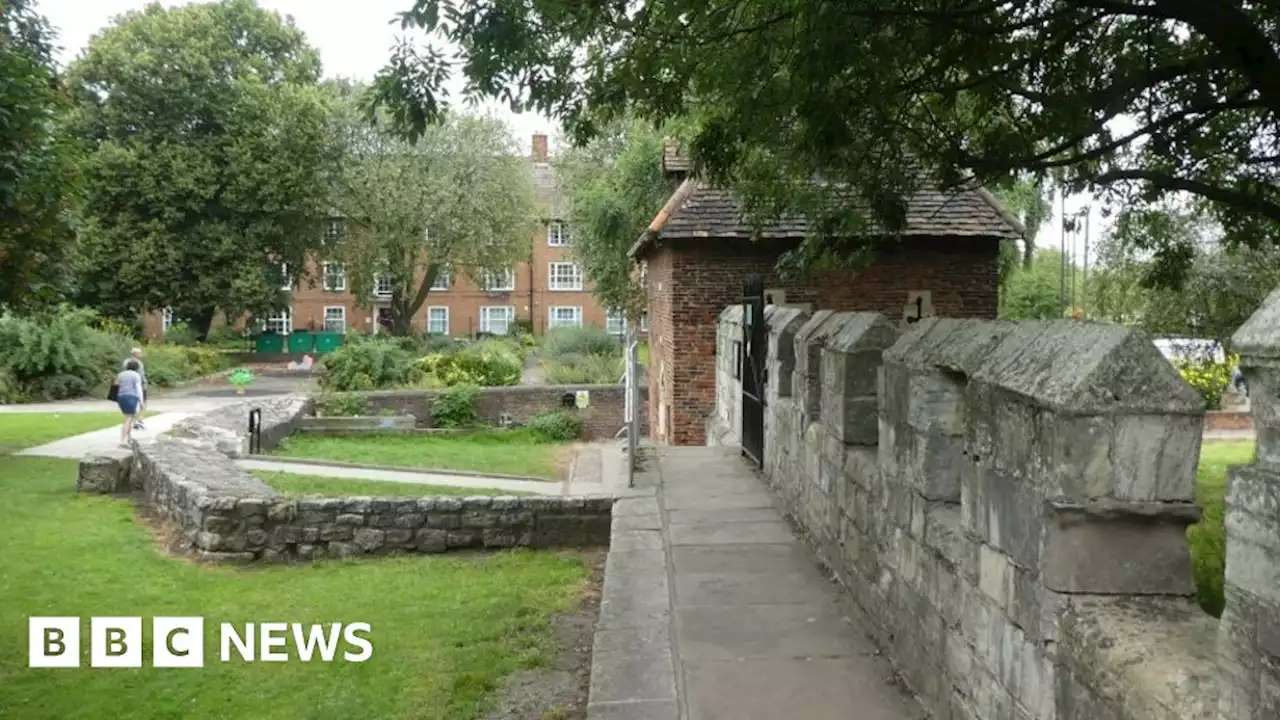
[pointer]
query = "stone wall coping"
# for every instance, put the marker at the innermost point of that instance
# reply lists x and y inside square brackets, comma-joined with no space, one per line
[1259,336]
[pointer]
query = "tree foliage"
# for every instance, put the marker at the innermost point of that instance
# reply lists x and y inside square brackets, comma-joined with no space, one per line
[615,185]
[1035,293]
[458,200]
[37,163]
[1210,291]
[1028,199]
[1140,100]
[207,131]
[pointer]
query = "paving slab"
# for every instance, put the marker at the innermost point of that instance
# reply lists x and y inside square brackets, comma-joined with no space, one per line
[771,559]
[734,533]
[842,688]
[724,589]
[710,632]
[725,609]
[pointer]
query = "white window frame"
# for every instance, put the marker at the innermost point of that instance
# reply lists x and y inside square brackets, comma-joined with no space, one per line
[443,280]
[486,322]
[615,323]
[281,318]
[557,234]
[432,309]
[379,281]
[644,321]
[341,273]
[554,322]
[166,320]
[284,273]
[572,282]
[507,284]
[343,308]
[334,230]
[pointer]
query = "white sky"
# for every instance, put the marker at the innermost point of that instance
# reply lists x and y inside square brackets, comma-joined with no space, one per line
[355,40]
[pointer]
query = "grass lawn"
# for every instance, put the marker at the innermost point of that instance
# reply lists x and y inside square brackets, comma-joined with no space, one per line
[445,630]
[299,485]
[504,452]
[1208,550]
[23,430]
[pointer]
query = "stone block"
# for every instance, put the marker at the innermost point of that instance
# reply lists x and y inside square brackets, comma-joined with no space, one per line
[351,519]
[936,402]
[1073,458]
[1119,549]
[936,462]
[995,575]
[444,520]
[1155,457]
[1007,513]
[853,420]
[105,473]
[431,540]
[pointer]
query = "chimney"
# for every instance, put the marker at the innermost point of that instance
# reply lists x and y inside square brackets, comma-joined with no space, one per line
[539,147]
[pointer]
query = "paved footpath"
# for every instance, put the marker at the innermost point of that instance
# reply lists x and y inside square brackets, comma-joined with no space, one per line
[713,610]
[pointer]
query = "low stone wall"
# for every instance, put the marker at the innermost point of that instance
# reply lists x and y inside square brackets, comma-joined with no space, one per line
[374,425]
[1005,505]
[601,419]
[224,514]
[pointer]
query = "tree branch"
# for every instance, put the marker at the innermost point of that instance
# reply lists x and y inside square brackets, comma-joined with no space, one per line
[1246,201]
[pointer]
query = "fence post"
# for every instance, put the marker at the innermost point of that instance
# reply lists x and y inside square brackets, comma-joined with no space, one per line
[255,431]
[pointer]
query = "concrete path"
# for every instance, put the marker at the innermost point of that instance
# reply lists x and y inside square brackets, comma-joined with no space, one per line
[713,610]
[100,441]
[402,476]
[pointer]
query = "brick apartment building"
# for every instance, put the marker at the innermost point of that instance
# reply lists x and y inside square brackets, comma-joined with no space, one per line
[699,250]
[550,291]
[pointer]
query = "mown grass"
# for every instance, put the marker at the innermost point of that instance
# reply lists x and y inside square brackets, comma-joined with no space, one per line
[19,431]
[502,452]
[300,485]
[445,630]
[1208,545]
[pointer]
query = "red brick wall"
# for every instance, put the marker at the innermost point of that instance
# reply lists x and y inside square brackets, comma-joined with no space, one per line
[699,278]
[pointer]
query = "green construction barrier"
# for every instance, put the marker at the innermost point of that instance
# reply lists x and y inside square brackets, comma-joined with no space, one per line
[327,342]
[269,344]
[302,342]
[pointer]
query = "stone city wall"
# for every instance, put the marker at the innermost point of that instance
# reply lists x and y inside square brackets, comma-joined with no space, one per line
[1005,505]
[224,514]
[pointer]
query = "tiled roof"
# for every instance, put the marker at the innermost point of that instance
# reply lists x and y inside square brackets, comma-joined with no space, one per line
[710,212]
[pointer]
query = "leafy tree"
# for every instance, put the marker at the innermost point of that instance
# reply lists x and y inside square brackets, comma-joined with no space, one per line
[1034,294]
[208,141]
[1214,289]
[615,185]
[1028,199]
[458,200]
[1141,100]
[37,163]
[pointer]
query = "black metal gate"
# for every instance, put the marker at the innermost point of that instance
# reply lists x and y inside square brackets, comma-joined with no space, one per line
[755,351]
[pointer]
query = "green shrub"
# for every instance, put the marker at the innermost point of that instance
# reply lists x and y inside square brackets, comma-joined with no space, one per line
[10,392]
[441,344]
[455,407]
[349,404]
[487,363]
[574,369]
[227,336]
[59,354]
[589,340]
[168,365]
[1208,377]
[556,426]
[181,334]
[363,364]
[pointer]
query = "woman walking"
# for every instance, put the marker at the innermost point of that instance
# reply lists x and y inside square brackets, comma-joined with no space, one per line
[129,398]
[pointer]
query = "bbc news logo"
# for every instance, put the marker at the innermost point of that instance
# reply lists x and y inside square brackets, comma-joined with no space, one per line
[178,642]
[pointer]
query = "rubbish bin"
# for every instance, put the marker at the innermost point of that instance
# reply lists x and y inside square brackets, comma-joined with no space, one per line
[269,344]
[302,342]
[327,342]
